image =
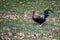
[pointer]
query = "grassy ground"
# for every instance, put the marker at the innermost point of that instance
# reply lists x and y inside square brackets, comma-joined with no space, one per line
[27,25]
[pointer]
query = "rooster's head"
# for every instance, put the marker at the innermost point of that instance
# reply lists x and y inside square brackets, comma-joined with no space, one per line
[33,11]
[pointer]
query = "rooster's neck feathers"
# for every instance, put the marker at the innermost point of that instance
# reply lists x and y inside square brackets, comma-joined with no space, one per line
[35,15]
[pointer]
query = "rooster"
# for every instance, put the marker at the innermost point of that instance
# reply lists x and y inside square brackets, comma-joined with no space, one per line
[40,18]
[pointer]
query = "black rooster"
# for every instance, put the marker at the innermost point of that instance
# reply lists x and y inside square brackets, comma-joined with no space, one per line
[40,18]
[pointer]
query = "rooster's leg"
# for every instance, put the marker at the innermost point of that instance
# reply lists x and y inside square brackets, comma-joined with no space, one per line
[40,25]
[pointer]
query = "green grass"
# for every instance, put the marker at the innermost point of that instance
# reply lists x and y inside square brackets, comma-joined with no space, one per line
[27,25]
